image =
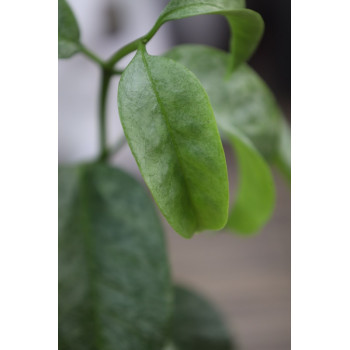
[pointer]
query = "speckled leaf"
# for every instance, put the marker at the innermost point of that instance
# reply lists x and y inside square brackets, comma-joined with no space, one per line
[172,133]
[68,31]
[114,284]
[197,325]
[247,26]
[248,117]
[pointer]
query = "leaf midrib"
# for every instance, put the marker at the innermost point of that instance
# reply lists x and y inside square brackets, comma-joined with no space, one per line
[166,120]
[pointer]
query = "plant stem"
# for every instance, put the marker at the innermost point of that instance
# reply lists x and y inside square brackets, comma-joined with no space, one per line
[107,72]
[116,72]
[106,78]
[125,50]
[91,56]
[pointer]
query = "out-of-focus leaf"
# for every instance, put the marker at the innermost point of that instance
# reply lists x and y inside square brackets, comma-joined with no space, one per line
[68,31]
[249,118]
[242,101]
[255,198]
[172,133]
[114,284]
[283,156]
[197,324]
[170,346]
[247,26]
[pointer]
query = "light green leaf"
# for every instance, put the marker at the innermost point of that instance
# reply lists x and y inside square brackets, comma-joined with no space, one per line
[255,198]
[172,133]
[247,26]
[197,325]
[283,156]
[114,284]
[248,117]
[68,31]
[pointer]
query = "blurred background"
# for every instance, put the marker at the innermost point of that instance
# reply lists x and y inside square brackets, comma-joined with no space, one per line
[248,278]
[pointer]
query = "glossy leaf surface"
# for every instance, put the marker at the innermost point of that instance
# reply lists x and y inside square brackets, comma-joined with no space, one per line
[172,133]
[247,26]
[197,324]
[248,117]
[114,284]
[68,31]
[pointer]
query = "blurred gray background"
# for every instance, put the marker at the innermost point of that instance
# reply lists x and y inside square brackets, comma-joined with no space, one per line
[247,278]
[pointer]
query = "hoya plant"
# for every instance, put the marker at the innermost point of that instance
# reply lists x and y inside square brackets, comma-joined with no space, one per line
[177,110]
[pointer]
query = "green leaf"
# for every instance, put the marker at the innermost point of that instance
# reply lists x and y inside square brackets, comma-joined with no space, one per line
[68,31]
[197,324]
[283,156]
[242,101]
[247,26]
[255,198]
[249,118]
[114,284]
[172,133]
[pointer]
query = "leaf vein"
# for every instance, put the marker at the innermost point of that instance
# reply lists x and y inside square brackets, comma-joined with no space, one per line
[166,120]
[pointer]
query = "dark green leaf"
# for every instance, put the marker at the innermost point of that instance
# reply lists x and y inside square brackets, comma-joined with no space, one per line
[170,346]
[283,156]
[248,117]
[197,325]
[246,25]
[114,283]
[171,130]
[68,31]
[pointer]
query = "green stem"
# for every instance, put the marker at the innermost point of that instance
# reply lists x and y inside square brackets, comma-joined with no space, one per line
[107,72]
[125,50]
[91,56]
[116,72]
[106,78]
